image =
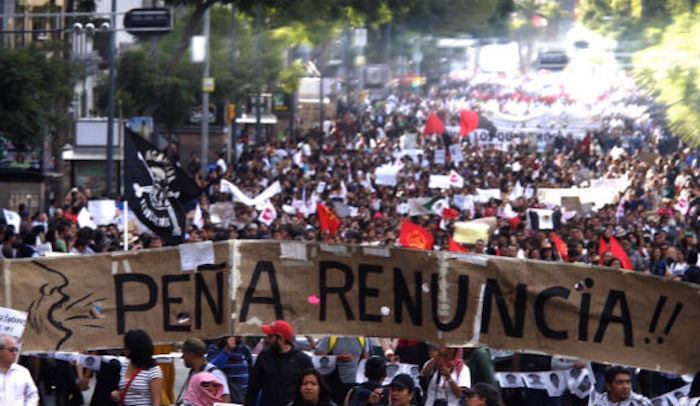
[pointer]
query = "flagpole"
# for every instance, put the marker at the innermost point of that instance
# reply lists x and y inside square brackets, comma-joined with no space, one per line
[125,216]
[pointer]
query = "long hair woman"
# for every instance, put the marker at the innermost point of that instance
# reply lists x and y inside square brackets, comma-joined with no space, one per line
[141,380]
[312,390]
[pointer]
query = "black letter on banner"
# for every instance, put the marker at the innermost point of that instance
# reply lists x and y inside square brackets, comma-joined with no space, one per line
[540,302]
[607,317]
[368,292]
[402,295]
[584,315]
[119,281]
[167,300]
[512,328]
[262,266]
[340,291]
[217,307]
[463,291]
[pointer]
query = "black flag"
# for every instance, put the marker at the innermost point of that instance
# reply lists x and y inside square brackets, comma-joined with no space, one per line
[156,189]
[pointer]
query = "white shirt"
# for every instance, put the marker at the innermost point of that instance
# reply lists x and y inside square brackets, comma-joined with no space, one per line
[440,389]
[17,387]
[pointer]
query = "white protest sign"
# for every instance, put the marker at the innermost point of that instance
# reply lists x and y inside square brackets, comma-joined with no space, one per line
[103,212]
[85,219]
[456,180]
[456,153]
[195,254]
[439,182]
[440,157]
[12,322]
[12,219]
[386,175]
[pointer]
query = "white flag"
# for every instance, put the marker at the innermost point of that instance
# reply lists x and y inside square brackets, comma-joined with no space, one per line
[261,199]
[198,220]
[236,193]
[85,219]
[456,180]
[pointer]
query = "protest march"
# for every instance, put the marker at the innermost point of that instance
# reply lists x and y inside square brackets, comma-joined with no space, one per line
[504,238]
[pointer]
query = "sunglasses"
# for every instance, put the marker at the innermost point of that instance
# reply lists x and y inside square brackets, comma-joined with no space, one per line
[210,385]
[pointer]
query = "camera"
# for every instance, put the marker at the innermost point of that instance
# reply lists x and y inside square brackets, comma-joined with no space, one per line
[440,402]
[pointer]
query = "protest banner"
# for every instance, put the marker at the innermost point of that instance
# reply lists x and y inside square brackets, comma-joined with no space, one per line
[80,302]
[617,317]
[579,311]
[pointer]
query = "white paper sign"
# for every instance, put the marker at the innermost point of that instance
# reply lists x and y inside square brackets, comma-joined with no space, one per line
[93,362]
[325,364]
[195,254]
[439,157]
[103,211]
[12,219]
[12,322]
[85,219]
[456,153]
[439,182]
[386,175]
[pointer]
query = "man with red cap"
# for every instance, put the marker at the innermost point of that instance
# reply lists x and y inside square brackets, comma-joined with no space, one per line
[278,369]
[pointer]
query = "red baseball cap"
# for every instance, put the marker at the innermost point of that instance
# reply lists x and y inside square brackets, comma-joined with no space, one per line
[280,328]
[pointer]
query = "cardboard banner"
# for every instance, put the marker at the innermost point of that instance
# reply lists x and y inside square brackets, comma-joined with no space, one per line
[616,317]
[83,302]
[581,311]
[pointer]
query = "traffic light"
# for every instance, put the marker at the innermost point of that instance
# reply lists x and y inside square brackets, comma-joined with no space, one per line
[230,112]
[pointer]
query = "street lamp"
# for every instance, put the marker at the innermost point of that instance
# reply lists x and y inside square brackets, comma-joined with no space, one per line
[83,48]
[312,69]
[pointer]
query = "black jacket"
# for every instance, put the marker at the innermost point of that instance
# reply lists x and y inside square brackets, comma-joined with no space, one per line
[276,376]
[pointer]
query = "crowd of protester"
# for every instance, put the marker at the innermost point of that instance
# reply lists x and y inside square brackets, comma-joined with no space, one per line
[655,220]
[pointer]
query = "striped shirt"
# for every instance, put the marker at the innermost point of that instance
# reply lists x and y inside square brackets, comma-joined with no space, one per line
[139,393]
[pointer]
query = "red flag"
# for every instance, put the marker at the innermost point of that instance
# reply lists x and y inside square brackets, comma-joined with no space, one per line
[514,222]
[560,246]
[415,236]
[434,125]
[328,220]
[454,246]
[584,146]
[602,249]
[449,214]
[468,122]
[619,253]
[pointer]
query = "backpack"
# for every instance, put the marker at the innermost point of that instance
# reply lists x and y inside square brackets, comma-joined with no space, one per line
[333,340]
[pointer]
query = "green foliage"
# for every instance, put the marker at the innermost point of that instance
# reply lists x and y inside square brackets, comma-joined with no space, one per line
[669,72]
[31,86]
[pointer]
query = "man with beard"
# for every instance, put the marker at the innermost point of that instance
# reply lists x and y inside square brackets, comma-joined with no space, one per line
[618,390]
[278,368]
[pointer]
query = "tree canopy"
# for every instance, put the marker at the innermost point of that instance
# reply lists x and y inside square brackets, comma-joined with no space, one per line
[31,86]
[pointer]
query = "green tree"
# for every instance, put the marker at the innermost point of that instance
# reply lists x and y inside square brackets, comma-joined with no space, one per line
[31,86]
[668,72]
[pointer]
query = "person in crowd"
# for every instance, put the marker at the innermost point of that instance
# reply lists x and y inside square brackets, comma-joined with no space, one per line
[618,390]
[447,377]
[348,351]
[141,381]
[483,394]
[375,372]
[193,355]
[278,368]
[18,387]
[402,392]
[478,360]
[312,390]
[234,359]
[203,389]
